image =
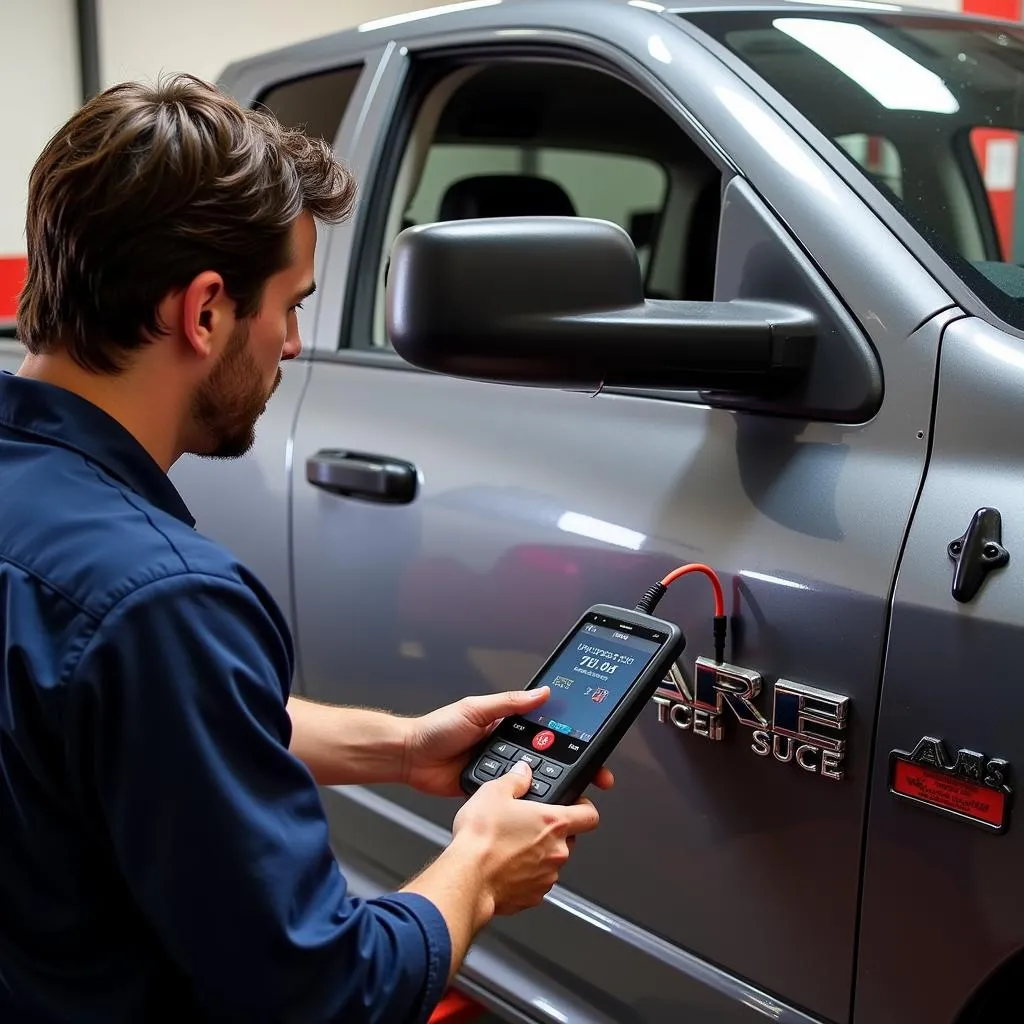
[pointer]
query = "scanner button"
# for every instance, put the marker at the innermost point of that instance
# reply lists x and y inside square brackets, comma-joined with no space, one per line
[531,759]
[543,739]
[539,787]
[489,766]
[550,771]
[502,749]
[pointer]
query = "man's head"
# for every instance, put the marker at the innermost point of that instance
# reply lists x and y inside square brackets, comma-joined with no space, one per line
[169,214]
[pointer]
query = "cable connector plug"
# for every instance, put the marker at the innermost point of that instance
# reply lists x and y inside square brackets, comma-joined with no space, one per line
[721,622]
[650,600]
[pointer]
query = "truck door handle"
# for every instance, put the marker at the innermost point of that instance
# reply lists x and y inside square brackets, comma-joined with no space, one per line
[360,475]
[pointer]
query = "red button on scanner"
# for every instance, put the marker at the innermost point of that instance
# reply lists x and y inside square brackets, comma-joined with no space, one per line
[543,740]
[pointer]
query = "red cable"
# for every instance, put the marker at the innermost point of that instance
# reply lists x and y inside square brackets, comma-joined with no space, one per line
[683,570]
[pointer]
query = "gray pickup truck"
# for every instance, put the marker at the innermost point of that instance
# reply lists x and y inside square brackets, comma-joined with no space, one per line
[627,287]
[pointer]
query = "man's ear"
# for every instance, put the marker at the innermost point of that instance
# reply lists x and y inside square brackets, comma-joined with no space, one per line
[207,314]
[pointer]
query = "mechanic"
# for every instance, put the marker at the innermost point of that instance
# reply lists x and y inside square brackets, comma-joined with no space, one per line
[164,853]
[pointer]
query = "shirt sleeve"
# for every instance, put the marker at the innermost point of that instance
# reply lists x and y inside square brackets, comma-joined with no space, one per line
[177,730]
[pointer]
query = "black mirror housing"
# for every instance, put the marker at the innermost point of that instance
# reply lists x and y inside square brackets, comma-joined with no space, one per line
[559,302]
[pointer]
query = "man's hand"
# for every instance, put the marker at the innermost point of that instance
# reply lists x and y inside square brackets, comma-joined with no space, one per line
[505,855]
[522,845]
[438,745]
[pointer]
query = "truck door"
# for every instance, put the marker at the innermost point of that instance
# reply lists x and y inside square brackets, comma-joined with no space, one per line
[447,532]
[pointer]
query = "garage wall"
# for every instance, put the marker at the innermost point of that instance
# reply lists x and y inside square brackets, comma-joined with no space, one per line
[142,38]
[40,89]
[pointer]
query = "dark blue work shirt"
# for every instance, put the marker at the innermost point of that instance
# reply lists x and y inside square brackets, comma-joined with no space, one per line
[162,855]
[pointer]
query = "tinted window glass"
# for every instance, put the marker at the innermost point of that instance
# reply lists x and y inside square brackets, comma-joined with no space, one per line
[929,108]
[316,103]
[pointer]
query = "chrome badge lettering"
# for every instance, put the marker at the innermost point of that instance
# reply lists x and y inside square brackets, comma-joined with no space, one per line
[807,725]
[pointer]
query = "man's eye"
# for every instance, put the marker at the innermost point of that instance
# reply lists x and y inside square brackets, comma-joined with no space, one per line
[298,305]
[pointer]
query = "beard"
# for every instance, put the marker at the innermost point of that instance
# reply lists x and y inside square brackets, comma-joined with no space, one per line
[228,403]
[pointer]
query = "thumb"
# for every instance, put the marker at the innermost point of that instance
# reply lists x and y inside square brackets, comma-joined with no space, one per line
[487,709]
[520,776]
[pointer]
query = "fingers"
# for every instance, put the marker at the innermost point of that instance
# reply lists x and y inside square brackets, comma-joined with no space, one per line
[604,779]
[581,817]
[485,709]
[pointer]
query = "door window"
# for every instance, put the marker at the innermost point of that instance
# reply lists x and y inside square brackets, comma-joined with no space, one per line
[542,138]
[625,189]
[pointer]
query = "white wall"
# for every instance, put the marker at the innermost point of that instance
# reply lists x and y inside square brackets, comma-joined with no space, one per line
[39,84]
[143,38]
[39,74]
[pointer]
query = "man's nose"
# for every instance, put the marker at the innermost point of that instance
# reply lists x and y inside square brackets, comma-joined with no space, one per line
[292,347]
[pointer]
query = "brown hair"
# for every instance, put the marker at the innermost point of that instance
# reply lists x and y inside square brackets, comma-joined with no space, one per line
[144,188]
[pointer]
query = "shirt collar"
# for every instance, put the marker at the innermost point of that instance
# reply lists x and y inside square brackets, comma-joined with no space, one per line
[61,417]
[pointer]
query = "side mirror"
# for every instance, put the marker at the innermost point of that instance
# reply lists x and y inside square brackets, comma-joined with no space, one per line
[558,302]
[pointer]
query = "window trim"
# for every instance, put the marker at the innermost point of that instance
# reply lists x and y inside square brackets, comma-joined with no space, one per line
[424,68]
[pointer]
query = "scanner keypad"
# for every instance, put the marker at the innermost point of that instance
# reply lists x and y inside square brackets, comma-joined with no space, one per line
[502,755]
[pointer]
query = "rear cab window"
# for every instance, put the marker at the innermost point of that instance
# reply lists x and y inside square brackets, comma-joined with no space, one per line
[315,103]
